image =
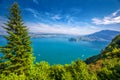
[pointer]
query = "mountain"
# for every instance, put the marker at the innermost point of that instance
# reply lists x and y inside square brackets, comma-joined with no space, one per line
[104,35]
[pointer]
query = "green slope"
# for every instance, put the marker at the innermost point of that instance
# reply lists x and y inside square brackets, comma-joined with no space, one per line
[111,51]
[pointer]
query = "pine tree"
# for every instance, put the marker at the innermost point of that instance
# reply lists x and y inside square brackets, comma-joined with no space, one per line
[18,52]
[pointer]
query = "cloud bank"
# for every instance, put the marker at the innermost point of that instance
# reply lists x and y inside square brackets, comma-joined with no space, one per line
[114,18]
[70,26]
[60,28]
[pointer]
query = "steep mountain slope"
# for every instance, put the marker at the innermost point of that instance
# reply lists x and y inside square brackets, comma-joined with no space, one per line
[104,35]
[107,64]
[110,52]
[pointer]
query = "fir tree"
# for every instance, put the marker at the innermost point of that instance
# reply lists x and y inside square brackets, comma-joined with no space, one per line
[18,52]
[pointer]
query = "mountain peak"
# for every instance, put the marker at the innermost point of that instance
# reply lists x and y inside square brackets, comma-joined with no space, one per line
[107,30]
[103,35]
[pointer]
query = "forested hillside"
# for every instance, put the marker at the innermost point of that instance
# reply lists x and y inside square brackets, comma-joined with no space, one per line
[107,63]
[111,51]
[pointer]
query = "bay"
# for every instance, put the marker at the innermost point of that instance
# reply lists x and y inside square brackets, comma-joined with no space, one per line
[61,50]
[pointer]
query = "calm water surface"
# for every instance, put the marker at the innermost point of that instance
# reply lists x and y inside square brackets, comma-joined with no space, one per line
[62,51]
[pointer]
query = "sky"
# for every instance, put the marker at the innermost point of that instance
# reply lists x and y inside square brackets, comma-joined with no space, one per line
[76,17]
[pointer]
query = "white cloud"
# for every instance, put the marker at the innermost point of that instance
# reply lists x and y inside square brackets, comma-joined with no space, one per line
[56,17]
[35,13]
[60,28]
[114,18]
[57,28]
[74,28]
[36,1]
[115,13]
[69,19]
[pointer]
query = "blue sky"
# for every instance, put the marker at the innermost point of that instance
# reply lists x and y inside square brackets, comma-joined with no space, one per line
[77,17]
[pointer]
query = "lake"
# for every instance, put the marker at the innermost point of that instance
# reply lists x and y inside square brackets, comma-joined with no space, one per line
[61,51]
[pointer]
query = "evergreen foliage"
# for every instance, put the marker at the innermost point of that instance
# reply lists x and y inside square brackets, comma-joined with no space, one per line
[111,51]
[18,52]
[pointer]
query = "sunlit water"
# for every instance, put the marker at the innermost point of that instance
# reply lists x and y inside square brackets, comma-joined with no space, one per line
[62,51]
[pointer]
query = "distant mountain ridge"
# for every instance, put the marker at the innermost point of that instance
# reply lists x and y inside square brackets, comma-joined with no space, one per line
[44,35]
[49,35]
[104,35]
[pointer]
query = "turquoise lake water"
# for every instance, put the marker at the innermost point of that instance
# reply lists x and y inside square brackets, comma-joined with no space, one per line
[62,51]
